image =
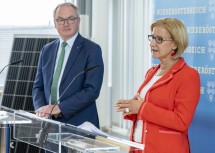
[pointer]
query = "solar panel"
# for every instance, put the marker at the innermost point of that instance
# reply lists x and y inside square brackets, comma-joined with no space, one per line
[20,78]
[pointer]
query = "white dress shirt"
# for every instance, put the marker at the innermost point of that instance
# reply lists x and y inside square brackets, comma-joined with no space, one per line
[68,48]
[139,124]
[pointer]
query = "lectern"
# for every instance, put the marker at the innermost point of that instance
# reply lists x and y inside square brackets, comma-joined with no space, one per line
[56,136]
[7,119]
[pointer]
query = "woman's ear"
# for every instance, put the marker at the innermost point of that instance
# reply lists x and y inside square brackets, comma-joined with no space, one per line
[174,47]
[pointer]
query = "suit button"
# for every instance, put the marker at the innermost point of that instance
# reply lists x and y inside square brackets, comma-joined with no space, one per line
[145,131]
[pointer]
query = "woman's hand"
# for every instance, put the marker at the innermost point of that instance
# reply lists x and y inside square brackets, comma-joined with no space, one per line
[131,106]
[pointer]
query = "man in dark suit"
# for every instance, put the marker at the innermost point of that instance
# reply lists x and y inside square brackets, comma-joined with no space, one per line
[77,104]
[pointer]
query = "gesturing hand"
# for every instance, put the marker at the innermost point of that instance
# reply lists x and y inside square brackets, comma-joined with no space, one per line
[129,106]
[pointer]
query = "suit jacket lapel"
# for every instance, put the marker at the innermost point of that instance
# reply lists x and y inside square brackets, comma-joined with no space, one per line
[149,75]
[164,79]
[49,63]
[78,44]
[53,56]
[170,74]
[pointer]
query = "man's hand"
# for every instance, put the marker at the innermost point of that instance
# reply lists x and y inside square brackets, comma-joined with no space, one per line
[46,110]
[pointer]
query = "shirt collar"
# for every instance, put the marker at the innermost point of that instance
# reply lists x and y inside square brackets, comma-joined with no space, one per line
[70,41]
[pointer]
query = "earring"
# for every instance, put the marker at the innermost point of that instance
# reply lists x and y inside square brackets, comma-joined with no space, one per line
[173,53]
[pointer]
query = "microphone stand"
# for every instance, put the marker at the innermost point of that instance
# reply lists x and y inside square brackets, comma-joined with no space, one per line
[85,71]
[13,63]
[43,133]
[64,93]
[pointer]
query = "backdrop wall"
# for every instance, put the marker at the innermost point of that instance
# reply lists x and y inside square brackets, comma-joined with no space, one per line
[199,18]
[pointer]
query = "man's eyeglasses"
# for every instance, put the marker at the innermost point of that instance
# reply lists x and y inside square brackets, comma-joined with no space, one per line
[68,20]
[158,39]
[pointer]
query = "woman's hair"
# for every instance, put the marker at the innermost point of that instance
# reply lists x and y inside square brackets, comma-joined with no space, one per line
[66,4]
[177,30]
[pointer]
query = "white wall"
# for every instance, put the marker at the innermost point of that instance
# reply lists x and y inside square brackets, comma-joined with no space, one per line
[121,28]
[100,34]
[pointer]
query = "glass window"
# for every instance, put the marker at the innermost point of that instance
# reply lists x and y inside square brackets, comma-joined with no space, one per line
[23,17]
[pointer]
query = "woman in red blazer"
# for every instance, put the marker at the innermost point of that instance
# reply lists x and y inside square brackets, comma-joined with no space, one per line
[164,105]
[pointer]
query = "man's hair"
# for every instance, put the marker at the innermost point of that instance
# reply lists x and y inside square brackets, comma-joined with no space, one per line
[66,4]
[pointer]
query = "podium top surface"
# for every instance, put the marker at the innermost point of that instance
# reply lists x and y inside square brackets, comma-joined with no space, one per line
[9,118]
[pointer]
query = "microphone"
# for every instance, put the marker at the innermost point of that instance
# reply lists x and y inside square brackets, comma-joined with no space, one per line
[43,133]
[12,63]
[84,71]
[90,69]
